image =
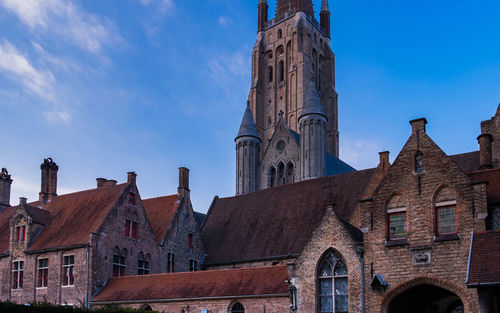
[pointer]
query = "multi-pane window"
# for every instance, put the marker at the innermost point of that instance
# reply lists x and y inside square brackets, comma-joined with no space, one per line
[21,233]
[143,266]
[17,274]
[446,220]
[193,265]
[119,265]
[130,229]
[333,286]
[170,262]
[68,270]
[397,225]
[43,273]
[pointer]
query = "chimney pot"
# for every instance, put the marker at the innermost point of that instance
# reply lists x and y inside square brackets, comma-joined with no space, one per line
[100,182]
[418,125]
[384,157]
[485,151]
[131,177]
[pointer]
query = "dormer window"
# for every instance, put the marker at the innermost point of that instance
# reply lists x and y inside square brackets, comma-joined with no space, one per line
[20,234]
[132,199]
[130,229]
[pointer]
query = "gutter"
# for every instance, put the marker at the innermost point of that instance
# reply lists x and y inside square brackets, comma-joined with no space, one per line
[470,255]
[278,257]
[362,261]
[57,249]
[190,299]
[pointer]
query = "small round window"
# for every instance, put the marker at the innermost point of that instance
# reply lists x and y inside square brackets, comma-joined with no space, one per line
[280,146]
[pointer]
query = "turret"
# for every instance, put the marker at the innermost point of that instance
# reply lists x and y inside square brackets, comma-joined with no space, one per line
[324,16]
[49,180]
[247,155]
[263,9]
[312,127]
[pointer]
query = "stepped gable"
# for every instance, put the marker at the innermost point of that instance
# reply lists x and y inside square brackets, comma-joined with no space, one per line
[160,212]
[468,162]
[493,187]
[484,256]
[277,222]
[256,281]
[74,216]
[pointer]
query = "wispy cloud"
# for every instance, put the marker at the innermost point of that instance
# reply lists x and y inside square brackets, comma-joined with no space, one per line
[20,68]
[226,67]
[224,21]
[163,6]
[359,153]
[65,19]
[57,116]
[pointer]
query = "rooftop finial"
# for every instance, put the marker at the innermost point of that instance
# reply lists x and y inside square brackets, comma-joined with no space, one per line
[324,5]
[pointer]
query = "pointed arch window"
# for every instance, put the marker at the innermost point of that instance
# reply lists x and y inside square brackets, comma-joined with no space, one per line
[270,73]
[282,71]
[290,173]
[272,177]
[333,284]
[281,174]
[237,308]
[418,162]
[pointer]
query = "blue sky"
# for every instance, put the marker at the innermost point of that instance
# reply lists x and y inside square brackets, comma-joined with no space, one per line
[106,87]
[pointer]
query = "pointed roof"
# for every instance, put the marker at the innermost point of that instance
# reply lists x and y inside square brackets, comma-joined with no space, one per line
[312,102]
[160,212]
[248,127]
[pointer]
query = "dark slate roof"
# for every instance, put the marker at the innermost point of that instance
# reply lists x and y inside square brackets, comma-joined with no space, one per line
[336,166]
[256,281]
[492,176]
[160,212]
[200,218]
[312,102]
[468,162]
[39,216]
[81,213]
[484,265]
[248,127]
[278,221]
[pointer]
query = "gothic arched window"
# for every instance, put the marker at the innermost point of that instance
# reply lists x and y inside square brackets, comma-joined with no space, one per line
[272,177]
[332,283]
[282,71]
[290,173]
[281,174]
[270,73]
[280,33]
[237,308]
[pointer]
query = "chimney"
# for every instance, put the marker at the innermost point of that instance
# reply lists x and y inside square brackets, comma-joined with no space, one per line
[418,125]
[324,17]
[23,201]
[384,161]
[5,184]
[49,180]
[183,189]
[263,9]
[485,152]
[103,182]
[131,177]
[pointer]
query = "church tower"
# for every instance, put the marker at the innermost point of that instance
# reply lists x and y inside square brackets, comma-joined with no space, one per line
[292,104]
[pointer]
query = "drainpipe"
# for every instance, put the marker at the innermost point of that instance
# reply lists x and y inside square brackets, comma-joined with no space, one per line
[362,261]
[87,282]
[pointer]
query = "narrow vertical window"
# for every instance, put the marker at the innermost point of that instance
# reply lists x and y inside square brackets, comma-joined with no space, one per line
[418,162]
[282,71]
[143,265]
[20,234]
[280,33]
[43,273]
[170,262]
[131,198]
[190,241]
[272,177]
[130,229]
[333,285]
[68,270]
[193,265]
[17,275]
[270,73]
[119,259]
[396,219]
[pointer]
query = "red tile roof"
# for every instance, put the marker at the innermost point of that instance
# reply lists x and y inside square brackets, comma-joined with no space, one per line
[74,216]
[270,280]
[485,259]
[493,187]
[160,212]
[468,162]
[277,222]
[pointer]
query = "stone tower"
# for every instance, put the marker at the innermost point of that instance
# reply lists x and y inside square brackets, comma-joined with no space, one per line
[247,155]
[289,49]
[292,104]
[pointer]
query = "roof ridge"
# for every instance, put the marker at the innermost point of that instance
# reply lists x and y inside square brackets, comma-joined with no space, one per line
[89,190]
[160,197]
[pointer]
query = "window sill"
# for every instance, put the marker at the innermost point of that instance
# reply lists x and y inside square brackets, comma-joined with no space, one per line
[68,286]
[396,243]
[41,288]
[446,238]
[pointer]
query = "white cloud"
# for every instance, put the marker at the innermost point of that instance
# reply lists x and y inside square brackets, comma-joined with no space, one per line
[63,18]
[224,21]
[57,116]
[359,153]
[224,68]
[18,65]
[64,64]
[163,5]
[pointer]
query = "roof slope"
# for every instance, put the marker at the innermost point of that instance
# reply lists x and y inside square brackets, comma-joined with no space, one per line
[270,280]
[493,188]
[468,162]
[160,212]
[248,127]
[277,222]
[484,259]
[5,217]
[80,214]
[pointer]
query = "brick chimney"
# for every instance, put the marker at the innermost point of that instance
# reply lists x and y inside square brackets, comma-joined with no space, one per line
[5,184]
[103,182]
[131,177]
[49,180]
[183,189]
[485,151]
[384,163]
[418,125]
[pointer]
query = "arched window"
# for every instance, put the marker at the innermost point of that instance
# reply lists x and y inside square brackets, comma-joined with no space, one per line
[270,73]
[143,264]
[290,173]
[396,218]
[280,33]
[281,174]
[237,308]
[418,162]
[446,215]
[332,283]
[272,177]
[282,71]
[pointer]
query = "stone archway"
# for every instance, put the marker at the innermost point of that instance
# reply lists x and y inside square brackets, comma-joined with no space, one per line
[425,295]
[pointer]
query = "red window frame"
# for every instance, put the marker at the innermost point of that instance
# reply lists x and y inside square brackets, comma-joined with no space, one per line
[68,270]
[389,236]
[130,229]
[43,273]
[21,233]
[437,220]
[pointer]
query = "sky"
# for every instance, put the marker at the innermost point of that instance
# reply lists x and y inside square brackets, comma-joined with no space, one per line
[107,87]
